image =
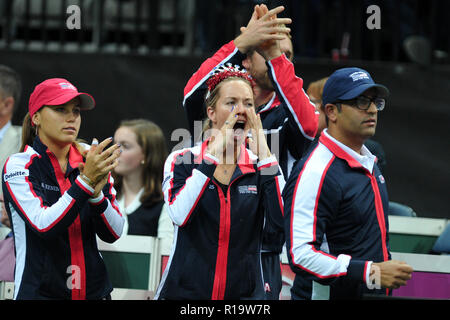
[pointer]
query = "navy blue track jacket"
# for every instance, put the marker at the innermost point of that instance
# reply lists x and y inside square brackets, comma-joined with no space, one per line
[289,119]
[217,239]
[335,220]
[55,222]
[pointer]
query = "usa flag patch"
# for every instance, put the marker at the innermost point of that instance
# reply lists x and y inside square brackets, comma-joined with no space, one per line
[248,189]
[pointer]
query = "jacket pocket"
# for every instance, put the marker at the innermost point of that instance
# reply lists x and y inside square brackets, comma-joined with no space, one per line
[251,272]
[196,277]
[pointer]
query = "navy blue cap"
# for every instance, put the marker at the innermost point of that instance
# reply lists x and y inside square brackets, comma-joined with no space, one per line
[349,83]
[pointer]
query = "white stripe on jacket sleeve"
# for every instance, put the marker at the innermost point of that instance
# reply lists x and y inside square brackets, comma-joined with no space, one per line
[300,106]
[303,220]
[112,218]
[40,217]
[181,193]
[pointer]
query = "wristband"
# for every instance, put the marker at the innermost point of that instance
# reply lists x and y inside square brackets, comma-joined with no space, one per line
[87,180]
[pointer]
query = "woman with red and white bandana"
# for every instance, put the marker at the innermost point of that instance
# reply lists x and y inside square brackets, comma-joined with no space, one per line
[219,196]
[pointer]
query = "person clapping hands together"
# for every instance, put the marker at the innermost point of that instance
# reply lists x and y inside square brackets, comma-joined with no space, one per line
[99,163]
[59,196]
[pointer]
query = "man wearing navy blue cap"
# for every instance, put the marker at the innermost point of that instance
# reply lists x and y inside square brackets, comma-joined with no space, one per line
[336,202]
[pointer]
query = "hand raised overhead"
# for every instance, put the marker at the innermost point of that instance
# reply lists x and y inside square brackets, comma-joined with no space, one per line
[264,26]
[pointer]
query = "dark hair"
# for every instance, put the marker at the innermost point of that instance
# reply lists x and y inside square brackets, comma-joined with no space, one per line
[153,143]
[29,134]
[338,107]
[10,83]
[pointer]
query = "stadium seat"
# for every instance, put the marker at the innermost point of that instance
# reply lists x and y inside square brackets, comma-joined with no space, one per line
[442,244]
[398,209]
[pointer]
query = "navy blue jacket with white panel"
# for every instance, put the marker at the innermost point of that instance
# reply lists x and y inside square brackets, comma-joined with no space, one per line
[55,222]
[289,118]
[218,235]
[336,206]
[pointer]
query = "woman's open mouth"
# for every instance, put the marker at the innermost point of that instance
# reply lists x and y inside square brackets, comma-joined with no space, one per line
[240,124]
[238,128]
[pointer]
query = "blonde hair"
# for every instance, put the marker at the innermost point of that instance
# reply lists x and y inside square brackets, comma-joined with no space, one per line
[212,97]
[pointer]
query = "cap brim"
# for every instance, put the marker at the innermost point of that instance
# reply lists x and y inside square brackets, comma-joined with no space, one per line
[87,102]
[383,92]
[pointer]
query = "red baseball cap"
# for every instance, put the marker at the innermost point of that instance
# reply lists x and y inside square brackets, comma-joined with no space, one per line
[57,91]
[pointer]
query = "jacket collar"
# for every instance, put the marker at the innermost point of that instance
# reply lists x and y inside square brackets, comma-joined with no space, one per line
[245,164]
[75,157]
[365,161]
[272,103]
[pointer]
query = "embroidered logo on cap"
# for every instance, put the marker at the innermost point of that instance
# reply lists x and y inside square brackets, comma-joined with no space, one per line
[66,85]
[359,75]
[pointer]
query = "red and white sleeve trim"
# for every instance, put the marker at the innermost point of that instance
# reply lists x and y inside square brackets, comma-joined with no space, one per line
[268,162]
[83,185]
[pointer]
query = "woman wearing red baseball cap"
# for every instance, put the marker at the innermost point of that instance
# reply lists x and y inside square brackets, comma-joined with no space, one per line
[59,196]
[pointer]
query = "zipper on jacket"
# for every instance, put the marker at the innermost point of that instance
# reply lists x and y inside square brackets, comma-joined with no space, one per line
[222,247]
[220,276]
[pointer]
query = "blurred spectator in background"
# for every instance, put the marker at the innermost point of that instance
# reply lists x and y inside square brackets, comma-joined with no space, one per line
[138,178]
[314,92]
[10,91]
[7,257]
[10,135]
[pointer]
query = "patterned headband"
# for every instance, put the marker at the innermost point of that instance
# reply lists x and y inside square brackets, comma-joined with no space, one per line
[226,71]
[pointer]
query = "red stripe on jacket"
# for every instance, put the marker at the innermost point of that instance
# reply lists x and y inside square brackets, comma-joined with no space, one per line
[75,235]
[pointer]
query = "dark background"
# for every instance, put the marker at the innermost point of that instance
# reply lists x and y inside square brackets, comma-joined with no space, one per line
[413,129]
[409,54]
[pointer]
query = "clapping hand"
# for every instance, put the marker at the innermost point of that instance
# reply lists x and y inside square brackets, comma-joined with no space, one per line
[99,163]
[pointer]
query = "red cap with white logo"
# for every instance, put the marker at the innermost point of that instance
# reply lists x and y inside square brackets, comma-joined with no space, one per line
[57,91]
